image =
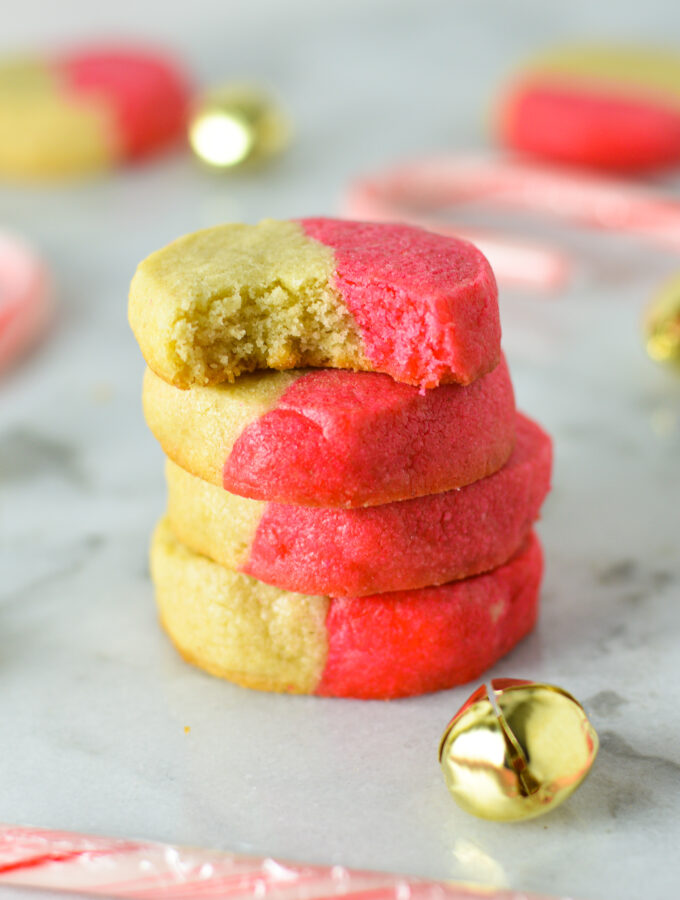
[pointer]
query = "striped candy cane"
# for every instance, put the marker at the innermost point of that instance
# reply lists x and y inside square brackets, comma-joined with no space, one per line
[24,299]
[58,860]
[413,191]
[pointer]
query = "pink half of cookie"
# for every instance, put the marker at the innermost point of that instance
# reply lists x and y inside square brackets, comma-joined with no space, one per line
[609,106]
[25,305]
[408,643]
[426,305]
[586,126]
[337,438]
[147,92]
[411,544]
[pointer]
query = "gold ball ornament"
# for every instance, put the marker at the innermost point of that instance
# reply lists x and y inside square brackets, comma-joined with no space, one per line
[516,750]
[662,325]
[237,124]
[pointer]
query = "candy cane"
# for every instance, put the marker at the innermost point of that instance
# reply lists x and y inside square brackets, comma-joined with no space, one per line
[58,860]
[412,191]
[24,298]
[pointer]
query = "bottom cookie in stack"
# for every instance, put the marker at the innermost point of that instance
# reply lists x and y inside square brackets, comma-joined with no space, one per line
[389,645]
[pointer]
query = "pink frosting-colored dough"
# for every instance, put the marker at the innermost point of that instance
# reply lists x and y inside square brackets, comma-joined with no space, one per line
[399,546]
[147,92]
[426,305]
[411,642]
[340,438]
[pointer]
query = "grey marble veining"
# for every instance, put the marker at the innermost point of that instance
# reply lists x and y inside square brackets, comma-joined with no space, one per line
[95,701]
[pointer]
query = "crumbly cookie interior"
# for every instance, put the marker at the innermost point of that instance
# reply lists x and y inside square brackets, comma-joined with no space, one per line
[236,298]
[264,326]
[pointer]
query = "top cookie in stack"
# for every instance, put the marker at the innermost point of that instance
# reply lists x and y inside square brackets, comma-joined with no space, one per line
[364,505]
[319,292]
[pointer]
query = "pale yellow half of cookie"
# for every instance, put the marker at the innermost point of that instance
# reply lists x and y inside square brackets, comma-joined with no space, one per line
[197,428]
[44,132]
[236,298]
[210,520]
[249,632]
[626,70]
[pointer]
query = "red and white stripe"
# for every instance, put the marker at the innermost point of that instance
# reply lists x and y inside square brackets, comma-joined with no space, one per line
[58,860]
[25,299]
[414,191]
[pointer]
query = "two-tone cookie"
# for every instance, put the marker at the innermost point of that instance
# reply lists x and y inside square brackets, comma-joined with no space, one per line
[609,107]
[356,552]
[87,110]
[330,293]
[379,647]
[334,438]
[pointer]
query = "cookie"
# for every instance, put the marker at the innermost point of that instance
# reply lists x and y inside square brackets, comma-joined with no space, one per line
[379,647]
[395,299]
[355,552]
[25,299]
[334,438]
[87,110]
[613,108]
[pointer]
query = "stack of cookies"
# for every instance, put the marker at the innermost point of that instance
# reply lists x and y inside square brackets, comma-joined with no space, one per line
[362,528]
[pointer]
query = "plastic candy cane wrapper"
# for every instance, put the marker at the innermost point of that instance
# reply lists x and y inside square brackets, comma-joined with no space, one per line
[61,861]
[413,191]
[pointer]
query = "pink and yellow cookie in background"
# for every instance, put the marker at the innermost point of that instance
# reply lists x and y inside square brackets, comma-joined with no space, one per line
[88,110]
[388,298]
[355,552]
[607,107]
[25,299]
[380,647]
[334,438]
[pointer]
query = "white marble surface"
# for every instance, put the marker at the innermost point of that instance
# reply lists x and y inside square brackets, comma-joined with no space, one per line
[94,700]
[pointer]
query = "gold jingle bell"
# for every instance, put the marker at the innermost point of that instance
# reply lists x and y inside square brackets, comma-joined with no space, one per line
[662,324]
[517,750]
[237,124]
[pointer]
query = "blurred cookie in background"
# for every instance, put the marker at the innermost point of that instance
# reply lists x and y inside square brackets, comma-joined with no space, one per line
[605,107]
[88,110]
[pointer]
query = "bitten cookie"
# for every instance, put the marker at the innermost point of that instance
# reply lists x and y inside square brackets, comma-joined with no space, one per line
[87,110]
[615,108]
[316,292]
[334,438]
[355,552]
[379,647]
